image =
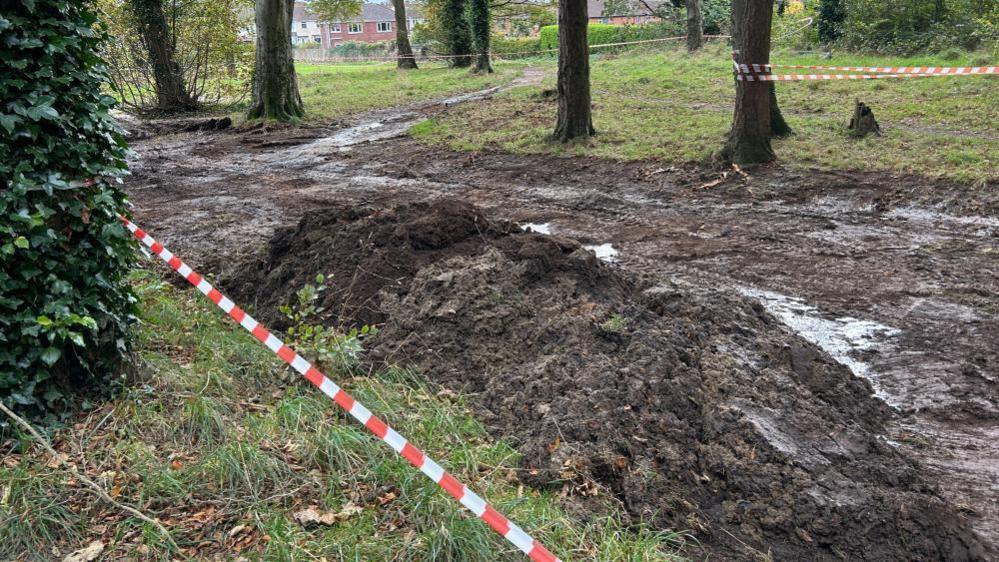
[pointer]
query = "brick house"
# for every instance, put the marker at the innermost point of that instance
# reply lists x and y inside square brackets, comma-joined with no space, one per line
[375,24]
[634,12]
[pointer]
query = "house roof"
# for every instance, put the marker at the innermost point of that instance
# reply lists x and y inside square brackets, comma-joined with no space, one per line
[302,13]
[595,8]
[370,11]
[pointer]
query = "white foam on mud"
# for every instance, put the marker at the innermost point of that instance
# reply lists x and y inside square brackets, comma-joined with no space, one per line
[604,252]
[840,337]
[540,228]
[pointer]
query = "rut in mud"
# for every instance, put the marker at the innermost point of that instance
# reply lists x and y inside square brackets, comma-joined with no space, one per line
[693,406]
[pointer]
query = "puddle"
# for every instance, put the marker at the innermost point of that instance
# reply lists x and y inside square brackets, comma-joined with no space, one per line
[909,213]
[841,338]
[604,252]
[540,228]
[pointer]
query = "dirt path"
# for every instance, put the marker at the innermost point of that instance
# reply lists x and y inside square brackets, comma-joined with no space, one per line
[893,276]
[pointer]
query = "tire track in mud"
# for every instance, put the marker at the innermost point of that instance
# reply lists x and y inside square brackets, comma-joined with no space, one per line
[846,243]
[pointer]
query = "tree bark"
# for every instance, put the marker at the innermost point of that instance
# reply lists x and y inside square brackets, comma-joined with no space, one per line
[749,138]
[778,126]
[171,94]
[459,34]
[574,118]
[695,26]
[405,50]
[275,89]
[480,31]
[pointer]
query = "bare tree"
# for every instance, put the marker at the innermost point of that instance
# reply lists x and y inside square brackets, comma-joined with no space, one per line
[171,94]
[404,49]
[749,139]
[275,89]
[574,118]
[480,31]
[695,26]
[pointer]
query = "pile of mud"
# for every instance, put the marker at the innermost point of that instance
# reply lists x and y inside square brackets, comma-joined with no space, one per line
[694,407]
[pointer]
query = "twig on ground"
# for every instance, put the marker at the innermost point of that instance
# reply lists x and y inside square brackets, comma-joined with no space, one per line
[94,486]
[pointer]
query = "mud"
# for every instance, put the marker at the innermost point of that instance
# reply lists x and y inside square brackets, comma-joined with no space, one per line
[912,258]
[692,406]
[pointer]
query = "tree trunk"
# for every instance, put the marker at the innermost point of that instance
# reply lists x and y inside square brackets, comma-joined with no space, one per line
[695,26]
[480,30]
[454,20]
[778,126]
[171,95]
[275,89]
[405,50]
[574,116]
[749,139]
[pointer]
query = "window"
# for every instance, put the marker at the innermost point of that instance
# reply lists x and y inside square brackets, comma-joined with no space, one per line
[304,25]
[317,39]
[335,28]
[384,26]
[354,28]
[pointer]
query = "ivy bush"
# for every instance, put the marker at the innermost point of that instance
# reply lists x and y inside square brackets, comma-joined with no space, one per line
[65,304]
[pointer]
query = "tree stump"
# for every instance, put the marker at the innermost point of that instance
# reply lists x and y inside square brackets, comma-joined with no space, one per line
[863,122]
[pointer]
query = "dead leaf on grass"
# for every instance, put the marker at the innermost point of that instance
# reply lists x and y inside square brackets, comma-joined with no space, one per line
[311,517]
[86,554]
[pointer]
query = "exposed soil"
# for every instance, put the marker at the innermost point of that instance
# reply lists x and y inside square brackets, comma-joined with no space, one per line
[696,408]
[893,276]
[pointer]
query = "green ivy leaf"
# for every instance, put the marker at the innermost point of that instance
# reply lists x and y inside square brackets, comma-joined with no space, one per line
[21,242]
[51,355]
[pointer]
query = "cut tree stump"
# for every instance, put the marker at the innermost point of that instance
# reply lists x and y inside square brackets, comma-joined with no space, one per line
[863,122]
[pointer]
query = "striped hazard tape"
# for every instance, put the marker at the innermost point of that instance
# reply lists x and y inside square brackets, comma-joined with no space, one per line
[761,72]
[510,531]
[928,70]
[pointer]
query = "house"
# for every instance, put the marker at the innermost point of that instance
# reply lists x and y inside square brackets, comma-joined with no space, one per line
[623,12]
[375,24]
[305,27]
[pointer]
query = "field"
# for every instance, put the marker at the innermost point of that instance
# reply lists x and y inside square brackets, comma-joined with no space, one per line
[671,107]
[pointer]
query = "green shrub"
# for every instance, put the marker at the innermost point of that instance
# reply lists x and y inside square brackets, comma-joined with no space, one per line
[602,34]
[914,26]
[65,305]
[499,44]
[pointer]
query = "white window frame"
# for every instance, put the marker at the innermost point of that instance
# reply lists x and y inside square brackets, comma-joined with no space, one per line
[387,27]
[334,28]
[350,28]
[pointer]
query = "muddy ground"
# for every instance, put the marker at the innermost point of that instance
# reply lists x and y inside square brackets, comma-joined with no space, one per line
[892,276]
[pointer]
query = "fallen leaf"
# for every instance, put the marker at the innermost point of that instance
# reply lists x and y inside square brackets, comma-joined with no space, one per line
[57,460]
[176,464]
[90,552]
[310,517]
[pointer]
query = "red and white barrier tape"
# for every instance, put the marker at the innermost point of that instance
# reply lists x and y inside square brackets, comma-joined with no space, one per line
[799,77]
[472,501]
[495,55]
[920,70]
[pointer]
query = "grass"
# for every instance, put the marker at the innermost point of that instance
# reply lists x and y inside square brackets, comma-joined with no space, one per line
[211,442]
[334,90]
[660,104]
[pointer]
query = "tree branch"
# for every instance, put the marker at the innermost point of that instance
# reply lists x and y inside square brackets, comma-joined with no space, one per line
[94,486]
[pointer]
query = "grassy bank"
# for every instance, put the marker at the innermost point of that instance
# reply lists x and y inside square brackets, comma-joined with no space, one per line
[665,105]
[334,90]
[215,445]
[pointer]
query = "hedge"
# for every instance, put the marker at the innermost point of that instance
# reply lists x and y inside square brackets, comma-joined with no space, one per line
[602,34]
[65,303]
